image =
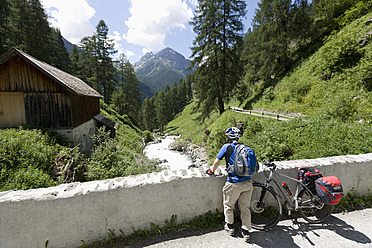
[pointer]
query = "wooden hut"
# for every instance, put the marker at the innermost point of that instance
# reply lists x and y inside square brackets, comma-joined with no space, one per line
[37,94]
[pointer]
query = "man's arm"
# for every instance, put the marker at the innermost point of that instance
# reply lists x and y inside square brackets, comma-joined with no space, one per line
[216,163]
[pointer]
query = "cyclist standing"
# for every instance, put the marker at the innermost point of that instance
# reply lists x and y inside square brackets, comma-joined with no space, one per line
[236,187]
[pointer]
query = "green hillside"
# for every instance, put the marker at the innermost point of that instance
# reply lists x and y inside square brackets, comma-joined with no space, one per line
[332,88]
[160,76]
[336,81]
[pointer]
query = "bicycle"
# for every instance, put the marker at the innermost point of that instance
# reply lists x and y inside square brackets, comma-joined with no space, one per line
[266,208]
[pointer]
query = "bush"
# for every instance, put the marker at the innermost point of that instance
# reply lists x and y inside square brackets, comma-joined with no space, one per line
[287,140]
[25,153]
[23,148]
[147,136]
[69,165]
[315,138]
[27,178]
[109,160]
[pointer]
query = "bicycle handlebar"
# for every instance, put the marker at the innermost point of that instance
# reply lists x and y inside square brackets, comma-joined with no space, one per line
[268,163]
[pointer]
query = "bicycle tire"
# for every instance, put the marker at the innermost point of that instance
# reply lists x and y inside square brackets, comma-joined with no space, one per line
[310,208]
[269,213]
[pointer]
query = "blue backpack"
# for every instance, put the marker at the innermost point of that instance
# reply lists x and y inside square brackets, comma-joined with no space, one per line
[245,162]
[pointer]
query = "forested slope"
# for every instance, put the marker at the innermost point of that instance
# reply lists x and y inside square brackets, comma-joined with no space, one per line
[336,81]
[332,87]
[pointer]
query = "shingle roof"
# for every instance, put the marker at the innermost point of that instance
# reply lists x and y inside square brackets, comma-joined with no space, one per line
[106,121]
[74,84]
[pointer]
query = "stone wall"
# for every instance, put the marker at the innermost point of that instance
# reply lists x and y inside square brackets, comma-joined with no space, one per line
[80,135]
[66,214]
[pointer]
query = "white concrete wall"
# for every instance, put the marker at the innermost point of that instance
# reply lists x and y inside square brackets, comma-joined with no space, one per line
[81,134]
[69,213]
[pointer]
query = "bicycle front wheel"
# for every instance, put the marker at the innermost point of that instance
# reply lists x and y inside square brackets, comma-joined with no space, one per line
[266,209]
[310,208]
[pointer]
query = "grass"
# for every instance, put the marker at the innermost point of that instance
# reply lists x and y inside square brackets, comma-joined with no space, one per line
[274,140]
[188,125]
[334,81]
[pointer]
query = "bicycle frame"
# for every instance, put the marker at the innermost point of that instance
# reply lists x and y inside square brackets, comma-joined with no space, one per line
[293,199]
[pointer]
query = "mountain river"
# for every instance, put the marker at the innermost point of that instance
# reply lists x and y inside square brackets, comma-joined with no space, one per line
[175,160]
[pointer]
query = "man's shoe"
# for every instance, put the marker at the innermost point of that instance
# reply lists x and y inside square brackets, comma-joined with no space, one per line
[246,236]
[229,228]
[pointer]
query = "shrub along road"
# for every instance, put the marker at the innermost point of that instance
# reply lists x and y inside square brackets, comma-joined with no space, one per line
[353,229]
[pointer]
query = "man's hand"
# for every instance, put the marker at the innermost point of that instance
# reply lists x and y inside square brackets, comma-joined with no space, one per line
[209,172]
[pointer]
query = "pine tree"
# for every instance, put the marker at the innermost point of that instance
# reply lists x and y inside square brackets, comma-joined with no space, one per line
[105,68]
[99,70]
[75,63]
[19,19]
[89,60]
[59,55]
[127,95]
[39,39]
[148,114]
[4,25]
[27,28]
[218,27]
[161,109]
[273,18]
[189,87]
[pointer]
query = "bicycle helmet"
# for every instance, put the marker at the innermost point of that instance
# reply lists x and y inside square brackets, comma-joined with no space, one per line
[233,133]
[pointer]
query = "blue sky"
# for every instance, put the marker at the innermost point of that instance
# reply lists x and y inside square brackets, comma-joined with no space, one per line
[137,26]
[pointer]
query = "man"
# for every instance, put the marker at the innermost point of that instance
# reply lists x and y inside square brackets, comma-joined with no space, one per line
[236,188]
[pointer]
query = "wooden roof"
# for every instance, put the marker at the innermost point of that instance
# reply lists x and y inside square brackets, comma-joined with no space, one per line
[106,121]
[73,84]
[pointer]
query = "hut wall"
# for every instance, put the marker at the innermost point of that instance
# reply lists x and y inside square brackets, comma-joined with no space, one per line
[48,110]
[12,111]
[83,109]
[45,103]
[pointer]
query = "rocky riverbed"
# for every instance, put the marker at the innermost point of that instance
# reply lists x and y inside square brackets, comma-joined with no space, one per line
[198,154]
[176,153]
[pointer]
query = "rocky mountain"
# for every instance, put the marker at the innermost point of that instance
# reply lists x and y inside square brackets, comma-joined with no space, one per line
[161,69]
[67,44]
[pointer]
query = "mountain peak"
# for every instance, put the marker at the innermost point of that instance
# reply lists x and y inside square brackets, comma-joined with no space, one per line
[170,54]
[148,55]
[167,55]
[163,68]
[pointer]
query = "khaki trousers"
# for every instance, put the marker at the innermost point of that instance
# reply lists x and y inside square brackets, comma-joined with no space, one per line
[238,191]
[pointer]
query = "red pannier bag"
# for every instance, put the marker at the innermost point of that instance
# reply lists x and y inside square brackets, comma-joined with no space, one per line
[329,190]
[308,175]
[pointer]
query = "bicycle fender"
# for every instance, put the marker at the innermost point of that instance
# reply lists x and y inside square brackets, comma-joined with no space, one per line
[274,191]
[269,187]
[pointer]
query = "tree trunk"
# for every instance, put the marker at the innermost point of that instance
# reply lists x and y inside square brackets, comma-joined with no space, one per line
[221,105]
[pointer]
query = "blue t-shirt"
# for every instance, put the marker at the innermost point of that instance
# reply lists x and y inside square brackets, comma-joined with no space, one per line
[231,178]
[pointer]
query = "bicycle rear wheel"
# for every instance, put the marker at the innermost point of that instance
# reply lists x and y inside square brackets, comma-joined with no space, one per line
[266,209]
[310,208]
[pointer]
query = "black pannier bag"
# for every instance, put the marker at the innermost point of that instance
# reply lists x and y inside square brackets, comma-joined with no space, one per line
[309,175]
[329,190]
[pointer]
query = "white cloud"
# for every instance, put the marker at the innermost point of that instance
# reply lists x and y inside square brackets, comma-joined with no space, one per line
[145,50]
[151,20]
[129,54]
[116,38]
[194,2]
[71,17]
